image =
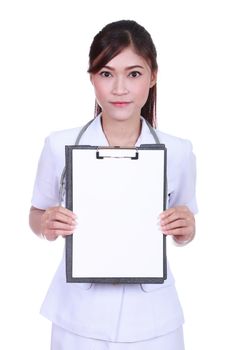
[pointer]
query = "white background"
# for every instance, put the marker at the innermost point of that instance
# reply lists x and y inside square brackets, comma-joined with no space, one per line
[44,87]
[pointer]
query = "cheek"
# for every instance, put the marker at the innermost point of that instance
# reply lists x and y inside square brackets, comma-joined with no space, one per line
[143,93]
[100,91]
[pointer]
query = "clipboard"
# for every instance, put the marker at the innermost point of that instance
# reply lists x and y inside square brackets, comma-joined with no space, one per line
[117,195]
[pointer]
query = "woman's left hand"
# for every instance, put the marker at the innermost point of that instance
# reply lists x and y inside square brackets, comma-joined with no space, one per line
[178,222]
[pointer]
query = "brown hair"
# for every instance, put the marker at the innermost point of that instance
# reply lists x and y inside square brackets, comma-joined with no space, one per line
[110,41]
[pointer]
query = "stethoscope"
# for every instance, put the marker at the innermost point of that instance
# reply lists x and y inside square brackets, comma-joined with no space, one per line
[82,131]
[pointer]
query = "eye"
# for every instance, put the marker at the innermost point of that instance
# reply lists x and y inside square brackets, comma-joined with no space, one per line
[135,74]
[105,74]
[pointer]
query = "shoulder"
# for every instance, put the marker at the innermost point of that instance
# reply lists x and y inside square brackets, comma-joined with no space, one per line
[172,141]
[56,140]
[64,136]
[179,150]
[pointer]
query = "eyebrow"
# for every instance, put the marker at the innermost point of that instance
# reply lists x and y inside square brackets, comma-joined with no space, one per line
[127,68]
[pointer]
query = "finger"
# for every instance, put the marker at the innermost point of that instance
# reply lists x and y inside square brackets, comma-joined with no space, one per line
[175,214]
[166,213]
[55,228]
[170,211]
[174,224]
[60,214]
[181,231]
[67,212]
[52,229]
[56,225]
[53,234]
[62,210]
[61,217]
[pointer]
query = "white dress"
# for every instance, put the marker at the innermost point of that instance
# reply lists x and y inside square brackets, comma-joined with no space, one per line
[114,312]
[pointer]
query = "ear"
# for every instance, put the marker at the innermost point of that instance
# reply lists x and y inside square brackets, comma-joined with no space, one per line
[153,78]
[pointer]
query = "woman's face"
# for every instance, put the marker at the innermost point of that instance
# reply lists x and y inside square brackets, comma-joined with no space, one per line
[122,86]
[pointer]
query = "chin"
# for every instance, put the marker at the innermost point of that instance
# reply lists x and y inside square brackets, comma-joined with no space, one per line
[121,116]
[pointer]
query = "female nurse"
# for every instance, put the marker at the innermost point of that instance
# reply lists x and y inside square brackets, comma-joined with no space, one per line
[123,72]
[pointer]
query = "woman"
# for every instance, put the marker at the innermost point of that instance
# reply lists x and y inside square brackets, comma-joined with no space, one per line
[123,71]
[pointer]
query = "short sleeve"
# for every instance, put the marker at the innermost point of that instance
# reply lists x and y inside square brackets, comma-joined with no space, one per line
[46,186]
[185,189]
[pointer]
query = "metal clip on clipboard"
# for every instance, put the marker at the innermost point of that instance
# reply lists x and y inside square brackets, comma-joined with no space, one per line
[108,152]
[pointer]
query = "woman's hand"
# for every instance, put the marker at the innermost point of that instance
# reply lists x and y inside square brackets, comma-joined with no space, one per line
[53,222]
[178,222]
[57,221]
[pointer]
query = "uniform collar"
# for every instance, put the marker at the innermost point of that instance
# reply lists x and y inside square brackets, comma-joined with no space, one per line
[95,136]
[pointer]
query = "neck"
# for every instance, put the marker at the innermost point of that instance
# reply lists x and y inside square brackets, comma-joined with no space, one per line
[121,133]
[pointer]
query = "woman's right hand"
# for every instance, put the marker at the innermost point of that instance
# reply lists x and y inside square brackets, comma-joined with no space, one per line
[57,221]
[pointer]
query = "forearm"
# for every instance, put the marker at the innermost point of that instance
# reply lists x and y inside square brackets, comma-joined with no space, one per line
[35,216]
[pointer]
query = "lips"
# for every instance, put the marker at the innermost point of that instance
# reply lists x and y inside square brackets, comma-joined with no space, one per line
[120,103]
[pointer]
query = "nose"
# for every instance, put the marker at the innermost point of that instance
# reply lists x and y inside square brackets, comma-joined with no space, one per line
[119,86]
